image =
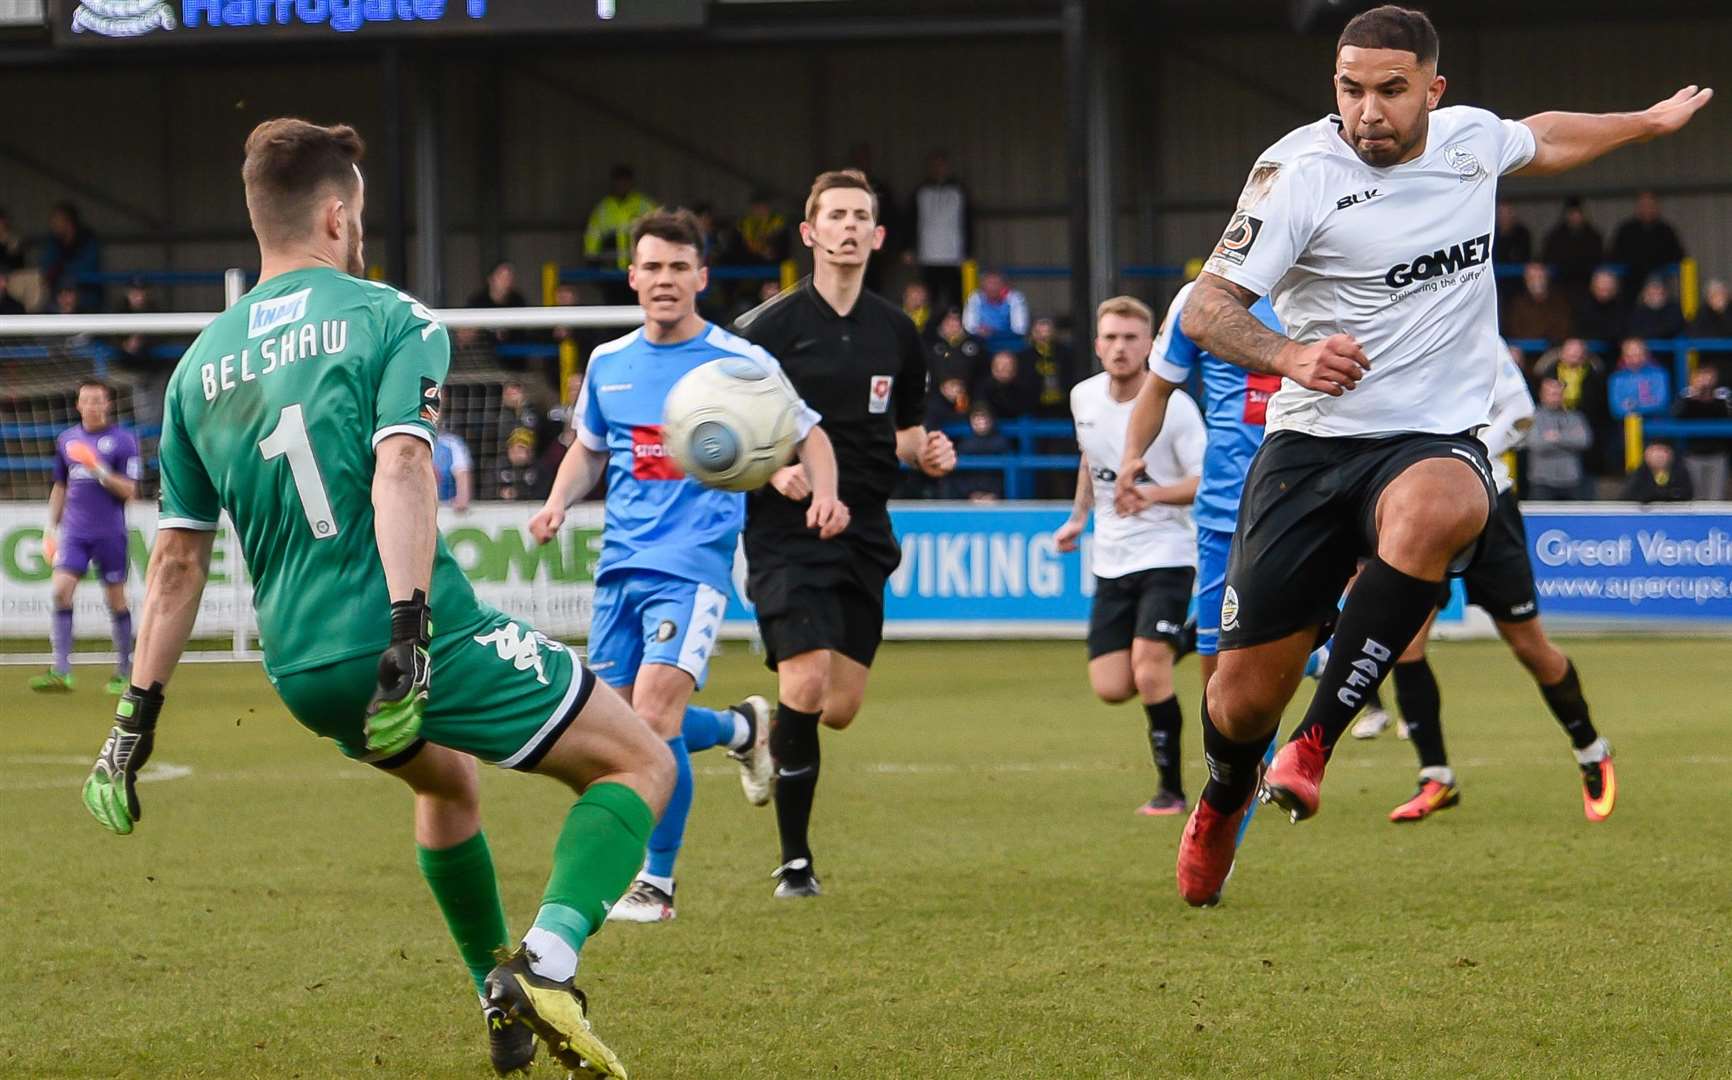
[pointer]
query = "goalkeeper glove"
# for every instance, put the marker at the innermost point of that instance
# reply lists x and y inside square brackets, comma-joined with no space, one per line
[394,715]
[109,792]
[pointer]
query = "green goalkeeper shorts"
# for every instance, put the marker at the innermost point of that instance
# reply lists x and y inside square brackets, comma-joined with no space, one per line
[500,691]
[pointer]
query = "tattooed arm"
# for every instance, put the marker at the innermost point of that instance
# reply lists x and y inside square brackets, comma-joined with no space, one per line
[1219,320]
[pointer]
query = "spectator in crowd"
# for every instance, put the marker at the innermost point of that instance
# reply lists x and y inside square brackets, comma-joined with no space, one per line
[954,352]
[11,246]
[1512,245]
[1602,315]
[1006,390]
[522,478]
[1639,385]
[1573,249]
[917,304]
[709,231]
[518,411]
[1705,459]
[1538,311]
[942,225]
[1555,447]
[453,468]
[947,403]
[1645,244]
[983,438]
[9,304]
[1656,314]
[1583,379]
[997,312]
[607,238]
[499,290]
[762,294]
[143,371]
[1714,321]
[68,300]
[1657,479]
[71,252]
[1052,367]
[763,233]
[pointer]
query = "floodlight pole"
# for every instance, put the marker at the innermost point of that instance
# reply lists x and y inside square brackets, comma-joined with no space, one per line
[1089,72]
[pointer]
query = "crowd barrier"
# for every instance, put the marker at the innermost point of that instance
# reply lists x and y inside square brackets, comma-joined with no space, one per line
[968,571]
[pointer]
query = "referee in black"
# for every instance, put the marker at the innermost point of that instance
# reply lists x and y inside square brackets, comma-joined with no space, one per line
[856,359]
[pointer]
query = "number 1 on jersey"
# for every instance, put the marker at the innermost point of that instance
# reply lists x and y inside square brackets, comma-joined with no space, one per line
[290,440]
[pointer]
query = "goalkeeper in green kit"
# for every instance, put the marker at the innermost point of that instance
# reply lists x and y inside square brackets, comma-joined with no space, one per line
[307,412]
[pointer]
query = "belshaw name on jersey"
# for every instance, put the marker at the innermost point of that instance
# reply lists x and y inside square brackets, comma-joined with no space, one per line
[305,342]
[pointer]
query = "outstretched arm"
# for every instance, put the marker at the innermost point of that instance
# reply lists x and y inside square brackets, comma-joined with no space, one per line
[1566,140]
[405,513]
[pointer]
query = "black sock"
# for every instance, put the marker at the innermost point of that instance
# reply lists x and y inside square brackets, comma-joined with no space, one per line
[1422,707]
[1384,610]
[1166,725]
[1374,700]
[794,744]
[1565,700]
[1232,765]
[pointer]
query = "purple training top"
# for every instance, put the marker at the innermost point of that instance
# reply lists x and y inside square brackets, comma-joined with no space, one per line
[91,510]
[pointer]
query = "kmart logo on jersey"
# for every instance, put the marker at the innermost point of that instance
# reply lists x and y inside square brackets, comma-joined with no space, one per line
[267,315]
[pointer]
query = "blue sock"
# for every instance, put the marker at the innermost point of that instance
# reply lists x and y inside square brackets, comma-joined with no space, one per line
[704,728]
[670,832]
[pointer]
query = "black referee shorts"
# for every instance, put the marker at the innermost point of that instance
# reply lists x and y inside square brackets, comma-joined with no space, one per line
[1501,579]
[821,594]
[1148,604]
[1307,516]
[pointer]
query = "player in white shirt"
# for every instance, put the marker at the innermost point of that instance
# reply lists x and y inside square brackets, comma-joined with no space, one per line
[1501,580]
[1145,561]
[1371,232]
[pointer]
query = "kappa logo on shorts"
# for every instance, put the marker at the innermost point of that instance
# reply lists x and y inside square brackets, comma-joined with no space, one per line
[1525,608]
[523,650]
[878,394]
[667,630]
[1230,609]
[1165,627]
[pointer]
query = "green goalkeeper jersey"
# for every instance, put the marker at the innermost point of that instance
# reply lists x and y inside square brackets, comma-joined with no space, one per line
[273,415]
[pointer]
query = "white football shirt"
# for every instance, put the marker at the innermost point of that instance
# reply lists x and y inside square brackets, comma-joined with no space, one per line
[1156,536]
[1512,413]
[1398,257]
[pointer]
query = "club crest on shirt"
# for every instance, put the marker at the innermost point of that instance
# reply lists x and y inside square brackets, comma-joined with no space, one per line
[1463,161]
[1230,609]
[878,393]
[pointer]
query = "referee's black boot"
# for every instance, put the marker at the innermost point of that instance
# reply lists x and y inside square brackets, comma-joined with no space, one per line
[796,878]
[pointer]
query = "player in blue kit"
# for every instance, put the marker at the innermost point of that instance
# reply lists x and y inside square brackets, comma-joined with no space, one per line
[668,542]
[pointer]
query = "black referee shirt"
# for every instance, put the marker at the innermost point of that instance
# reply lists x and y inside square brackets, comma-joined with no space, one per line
[865,374]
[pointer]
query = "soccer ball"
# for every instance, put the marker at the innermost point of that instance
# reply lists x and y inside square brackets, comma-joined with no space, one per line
[731,423]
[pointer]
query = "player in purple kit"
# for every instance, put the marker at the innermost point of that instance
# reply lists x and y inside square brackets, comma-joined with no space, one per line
[95,472]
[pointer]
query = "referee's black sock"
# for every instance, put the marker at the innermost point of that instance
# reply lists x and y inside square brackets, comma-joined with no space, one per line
[1166,724]
[1232,765]
[1383,612]
[1422,708]
[794,745]
[1565,699]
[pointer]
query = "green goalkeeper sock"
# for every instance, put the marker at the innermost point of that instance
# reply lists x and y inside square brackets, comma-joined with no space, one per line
[467,890]
[598,854]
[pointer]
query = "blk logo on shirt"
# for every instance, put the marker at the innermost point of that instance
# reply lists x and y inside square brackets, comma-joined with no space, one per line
[650,459]
[878,399]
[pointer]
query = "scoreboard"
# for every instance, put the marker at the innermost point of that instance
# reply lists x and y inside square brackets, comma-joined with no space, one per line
[143,23]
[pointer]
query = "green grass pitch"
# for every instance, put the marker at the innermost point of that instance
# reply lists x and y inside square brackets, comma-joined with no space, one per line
[993,907]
